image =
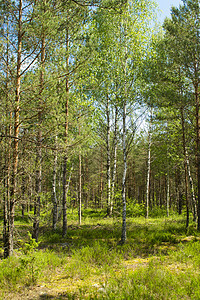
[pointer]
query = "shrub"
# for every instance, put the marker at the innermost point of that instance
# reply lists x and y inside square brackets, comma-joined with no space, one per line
[133,209]
[158,212]
[98,254]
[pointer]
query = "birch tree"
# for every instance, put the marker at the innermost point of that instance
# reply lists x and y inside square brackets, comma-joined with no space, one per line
[148,165]
[133,50]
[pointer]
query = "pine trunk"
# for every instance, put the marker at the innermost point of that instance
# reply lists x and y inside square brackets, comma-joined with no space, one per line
[194,204]
[185,167]
[7,166]
[16,135]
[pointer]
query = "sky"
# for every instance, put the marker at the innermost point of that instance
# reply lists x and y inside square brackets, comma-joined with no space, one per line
[165,6]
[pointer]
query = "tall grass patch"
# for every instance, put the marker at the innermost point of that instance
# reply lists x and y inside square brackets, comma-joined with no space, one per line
[99,255]
[27,269]
[96,259]
[153,282]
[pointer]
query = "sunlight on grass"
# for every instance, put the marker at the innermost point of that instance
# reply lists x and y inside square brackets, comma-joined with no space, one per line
[159,261]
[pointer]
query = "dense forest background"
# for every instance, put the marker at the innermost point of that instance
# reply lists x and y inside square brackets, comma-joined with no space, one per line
[99,109]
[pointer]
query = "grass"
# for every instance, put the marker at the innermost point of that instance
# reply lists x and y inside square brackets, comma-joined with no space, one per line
[161,260]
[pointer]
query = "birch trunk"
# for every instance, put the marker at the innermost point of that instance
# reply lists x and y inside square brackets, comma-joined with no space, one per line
[148,168]
[23,193]
[5,207]
[108,157]
[178,190]
[196,87]
[168,193]
[115,160]
[87,185]
[101,180]
[30,193]
[123,237]
[168,185]
[64,202]
[67,189]
[54,197]
[80,189]
[80,182]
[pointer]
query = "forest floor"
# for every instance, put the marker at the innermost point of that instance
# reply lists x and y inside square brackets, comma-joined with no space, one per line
[160,260]
[60,286]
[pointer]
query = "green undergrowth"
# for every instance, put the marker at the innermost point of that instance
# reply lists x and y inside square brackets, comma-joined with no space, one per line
[25,270]
[153,282]
[160,260]
[27,265]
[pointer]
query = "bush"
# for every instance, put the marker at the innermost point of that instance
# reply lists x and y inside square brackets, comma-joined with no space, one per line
[98,254]
[134,209]
[28,266]
[158,212]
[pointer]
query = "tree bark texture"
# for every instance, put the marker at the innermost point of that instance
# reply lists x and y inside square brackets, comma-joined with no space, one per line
[168,192]
[80,181]
[148,168]
[10,236]
[7,160]
[64,229]
[123,236]
[80,188]
[196,87]
[114,160]
[194,204]
[38,185]
[54,196]
[108,158]
[185,167]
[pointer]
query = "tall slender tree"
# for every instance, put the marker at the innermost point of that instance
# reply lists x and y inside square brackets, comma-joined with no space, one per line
[182,32]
